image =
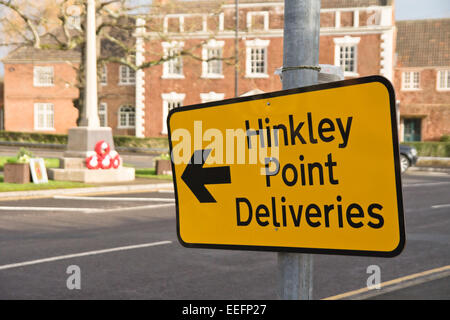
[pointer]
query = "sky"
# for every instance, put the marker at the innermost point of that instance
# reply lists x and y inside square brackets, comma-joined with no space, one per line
[404,10]
[421,9]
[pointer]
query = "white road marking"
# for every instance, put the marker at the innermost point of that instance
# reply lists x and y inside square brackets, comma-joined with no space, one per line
[438,206]
[165,191]
[82,254]
[86,210]
[425,184]
[115,199]
[396,284]
[6,208]
[149,206]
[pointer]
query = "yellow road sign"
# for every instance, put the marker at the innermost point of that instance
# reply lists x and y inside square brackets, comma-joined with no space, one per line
[314,169]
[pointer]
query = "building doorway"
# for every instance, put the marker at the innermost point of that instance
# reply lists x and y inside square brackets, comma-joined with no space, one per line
[412,129]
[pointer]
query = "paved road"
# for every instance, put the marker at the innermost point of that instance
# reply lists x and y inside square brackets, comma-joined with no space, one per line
[143,259]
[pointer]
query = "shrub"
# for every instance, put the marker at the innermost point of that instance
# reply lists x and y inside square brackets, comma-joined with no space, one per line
[445,138]
[47,138]
[33,137]
[23,156]
[431,148]
[130,141]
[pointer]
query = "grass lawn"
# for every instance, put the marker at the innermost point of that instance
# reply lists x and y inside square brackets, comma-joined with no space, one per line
[49,162]
[150,173]
[4,187]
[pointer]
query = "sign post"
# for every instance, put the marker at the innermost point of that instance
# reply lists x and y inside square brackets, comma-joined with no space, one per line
[300,56]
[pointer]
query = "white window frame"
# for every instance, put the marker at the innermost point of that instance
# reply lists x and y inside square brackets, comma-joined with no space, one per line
[256,44]
[128,79]
[104,113]
[211,96]
[179,17]
[409,85]
[264,14]
[446,86]
[168,99]
[127,125]
[104,75]
[74,22]
[167,65]
[42,80]
[48,110]
[343,42]
[212,45]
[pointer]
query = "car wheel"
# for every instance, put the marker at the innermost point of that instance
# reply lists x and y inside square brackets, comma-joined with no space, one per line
[404,163]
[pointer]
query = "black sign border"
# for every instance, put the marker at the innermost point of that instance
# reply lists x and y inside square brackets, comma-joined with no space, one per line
[318,87]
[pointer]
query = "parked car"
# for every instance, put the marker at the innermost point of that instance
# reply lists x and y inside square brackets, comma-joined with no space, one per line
[408,157]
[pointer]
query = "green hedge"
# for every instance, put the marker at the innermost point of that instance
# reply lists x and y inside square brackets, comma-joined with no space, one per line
[431,148]
[32,137]
[130,141]
[119,141]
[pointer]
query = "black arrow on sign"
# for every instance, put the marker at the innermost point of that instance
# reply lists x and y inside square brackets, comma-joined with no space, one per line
[196,176]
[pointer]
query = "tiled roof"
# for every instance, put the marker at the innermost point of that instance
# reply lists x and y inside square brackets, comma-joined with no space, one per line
[31,54]
[330,3]
[212,6]
[354,3]
[423,43]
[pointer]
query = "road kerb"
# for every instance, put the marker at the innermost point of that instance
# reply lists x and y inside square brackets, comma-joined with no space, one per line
[15,195]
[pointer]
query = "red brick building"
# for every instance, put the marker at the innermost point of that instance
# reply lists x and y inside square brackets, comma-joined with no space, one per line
[38,90]
[359,35]
[355,34]
[422,79]
[40,86]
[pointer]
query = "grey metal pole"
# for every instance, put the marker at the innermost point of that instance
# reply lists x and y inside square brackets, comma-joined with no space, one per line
[300,48]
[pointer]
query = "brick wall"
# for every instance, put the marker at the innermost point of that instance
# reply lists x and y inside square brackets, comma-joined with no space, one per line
[116,95]
[432,106]
[20,96]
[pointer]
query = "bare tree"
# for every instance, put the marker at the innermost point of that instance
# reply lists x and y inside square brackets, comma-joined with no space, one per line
[60,25]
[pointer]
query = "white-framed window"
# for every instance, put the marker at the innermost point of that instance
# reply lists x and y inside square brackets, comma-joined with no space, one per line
[211,67]
[103,114]
[170,101]
[177,18]
[104,75]
[127,76]
[410,80]
[211,96]
[127,117]
[443,80]
[44,116]
[346,55]
[173,67]
[43,76]
[74,22]
[74,17]
[256,58]
[252,15]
